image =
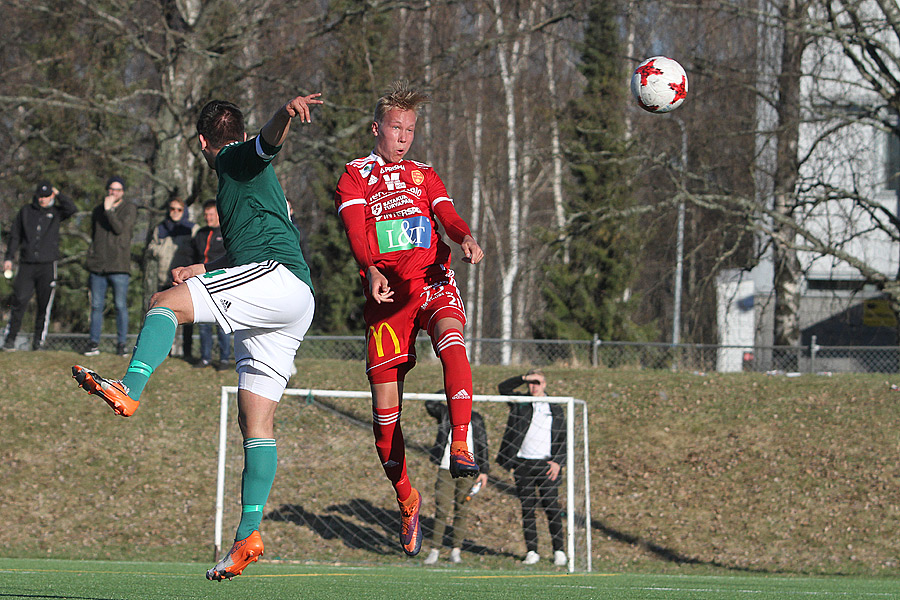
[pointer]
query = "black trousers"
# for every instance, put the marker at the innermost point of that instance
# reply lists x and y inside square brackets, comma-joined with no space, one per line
[533,485]
[32,278]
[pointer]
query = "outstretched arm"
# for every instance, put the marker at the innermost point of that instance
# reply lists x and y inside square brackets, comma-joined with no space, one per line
[275,131]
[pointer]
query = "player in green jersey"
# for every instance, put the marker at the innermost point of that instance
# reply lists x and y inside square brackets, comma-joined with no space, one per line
[260,291]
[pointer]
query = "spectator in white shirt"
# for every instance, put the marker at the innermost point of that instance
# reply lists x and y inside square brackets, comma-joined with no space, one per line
[534,449]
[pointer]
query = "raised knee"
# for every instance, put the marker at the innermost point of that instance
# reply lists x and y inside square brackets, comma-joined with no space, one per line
[154,300]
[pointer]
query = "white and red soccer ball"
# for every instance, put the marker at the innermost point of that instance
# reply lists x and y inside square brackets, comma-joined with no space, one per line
[659,84]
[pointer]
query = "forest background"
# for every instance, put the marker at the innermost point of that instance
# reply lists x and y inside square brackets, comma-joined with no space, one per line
[572,191]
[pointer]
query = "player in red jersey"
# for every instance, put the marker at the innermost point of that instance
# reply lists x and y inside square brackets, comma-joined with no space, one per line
[391,209]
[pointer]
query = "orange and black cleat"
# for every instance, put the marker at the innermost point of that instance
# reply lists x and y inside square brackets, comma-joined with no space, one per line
[462,463]
[113,391]
[410,529]
[243,553]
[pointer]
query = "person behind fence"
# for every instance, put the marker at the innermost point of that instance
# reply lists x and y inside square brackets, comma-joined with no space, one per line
[109,262]
[34,236]
[452,496]
[207,246]
[391,209]
[261,290]
[534,449]
[168,247]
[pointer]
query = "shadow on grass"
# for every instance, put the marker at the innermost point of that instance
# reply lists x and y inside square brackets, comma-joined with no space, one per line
[355,536]
[659,551]
[361,525]
[370,536]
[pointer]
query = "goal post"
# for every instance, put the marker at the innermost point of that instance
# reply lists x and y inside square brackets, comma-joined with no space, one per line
[576,473]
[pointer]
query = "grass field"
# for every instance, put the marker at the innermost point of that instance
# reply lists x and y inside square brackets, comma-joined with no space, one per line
[97,580]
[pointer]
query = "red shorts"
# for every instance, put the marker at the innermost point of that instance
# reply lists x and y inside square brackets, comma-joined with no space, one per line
[391,327]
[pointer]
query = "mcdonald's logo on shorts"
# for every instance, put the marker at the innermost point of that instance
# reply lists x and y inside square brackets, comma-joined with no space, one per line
[378,336]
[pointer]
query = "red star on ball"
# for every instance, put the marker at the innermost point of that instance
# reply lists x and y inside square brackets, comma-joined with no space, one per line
[646,70]
[679,89]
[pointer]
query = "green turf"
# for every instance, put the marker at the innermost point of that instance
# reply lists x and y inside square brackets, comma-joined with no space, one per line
[96,580]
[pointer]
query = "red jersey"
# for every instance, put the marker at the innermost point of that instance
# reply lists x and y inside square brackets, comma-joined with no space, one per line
[391,213]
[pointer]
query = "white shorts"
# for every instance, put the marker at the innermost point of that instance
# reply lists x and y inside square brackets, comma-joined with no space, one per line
[269,311]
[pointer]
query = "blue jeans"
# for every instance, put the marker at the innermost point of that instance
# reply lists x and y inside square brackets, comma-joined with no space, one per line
[206,342]
[98,283]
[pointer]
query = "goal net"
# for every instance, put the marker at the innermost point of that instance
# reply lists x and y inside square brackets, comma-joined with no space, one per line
[331,501]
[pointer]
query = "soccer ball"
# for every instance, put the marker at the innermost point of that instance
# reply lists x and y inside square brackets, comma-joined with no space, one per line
[659,84]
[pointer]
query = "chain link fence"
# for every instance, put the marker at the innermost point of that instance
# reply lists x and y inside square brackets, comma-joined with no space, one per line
[810,358]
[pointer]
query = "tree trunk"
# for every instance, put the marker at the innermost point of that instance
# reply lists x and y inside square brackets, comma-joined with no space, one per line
[475,284]
[786,264]
[511,273]
[559,210]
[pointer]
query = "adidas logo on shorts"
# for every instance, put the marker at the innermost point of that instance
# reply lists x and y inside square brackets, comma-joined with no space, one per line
[461,395]
[226,304]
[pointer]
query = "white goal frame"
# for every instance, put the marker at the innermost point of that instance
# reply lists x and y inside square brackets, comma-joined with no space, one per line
[231,391]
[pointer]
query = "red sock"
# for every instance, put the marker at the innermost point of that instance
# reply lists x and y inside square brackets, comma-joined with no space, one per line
[391,448]
[451,347]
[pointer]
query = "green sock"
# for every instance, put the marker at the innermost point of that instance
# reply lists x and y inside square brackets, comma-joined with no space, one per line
[153,345]
[260,461]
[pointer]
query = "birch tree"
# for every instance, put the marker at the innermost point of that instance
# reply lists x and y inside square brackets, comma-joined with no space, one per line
[510,50]
[787,278]
[474,282]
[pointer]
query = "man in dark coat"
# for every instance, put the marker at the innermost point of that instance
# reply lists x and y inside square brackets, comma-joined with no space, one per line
[534,449]
[34,235]
[109,262]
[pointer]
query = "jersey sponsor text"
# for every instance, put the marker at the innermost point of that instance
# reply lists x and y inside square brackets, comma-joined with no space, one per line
[403,234]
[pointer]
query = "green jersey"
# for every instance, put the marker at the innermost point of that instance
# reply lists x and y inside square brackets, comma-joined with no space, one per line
[253,211]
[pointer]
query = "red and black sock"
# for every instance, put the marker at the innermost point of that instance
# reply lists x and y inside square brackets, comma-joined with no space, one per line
[391,448]
[451,348]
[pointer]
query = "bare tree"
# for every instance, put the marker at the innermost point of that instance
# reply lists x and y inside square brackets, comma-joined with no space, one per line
[510,52]
[171,56]
[794,15]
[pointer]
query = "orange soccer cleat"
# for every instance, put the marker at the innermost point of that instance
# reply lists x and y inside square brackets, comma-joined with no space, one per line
[243,553]
[112,390]
[462,463]
[410,529]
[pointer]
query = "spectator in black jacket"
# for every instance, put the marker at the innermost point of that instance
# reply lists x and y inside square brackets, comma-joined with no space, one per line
[35,236]
[208,245]
[534,449]
[453,494]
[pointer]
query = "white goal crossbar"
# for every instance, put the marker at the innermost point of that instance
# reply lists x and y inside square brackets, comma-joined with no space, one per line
[570,402]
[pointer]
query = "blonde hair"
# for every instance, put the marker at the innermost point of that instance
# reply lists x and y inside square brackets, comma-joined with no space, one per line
[537,372]
[400,97]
